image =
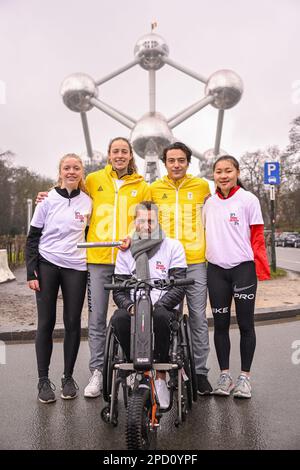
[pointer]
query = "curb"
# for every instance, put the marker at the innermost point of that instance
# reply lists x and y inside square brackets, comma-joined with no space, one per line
[261,314]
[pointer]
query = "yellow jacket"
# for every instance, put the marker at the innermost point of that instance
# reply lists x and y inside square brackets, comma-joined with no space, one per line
[113,210]
[180,208]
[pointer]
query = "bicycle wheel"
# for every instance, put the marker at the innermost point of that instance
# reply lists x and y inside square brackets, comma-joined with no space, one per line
[187,390]
[139,434]
[111,347]
[190,351]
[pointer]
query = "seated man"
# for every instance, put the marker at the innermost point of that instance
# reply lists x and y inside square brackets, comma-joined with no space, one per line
[151,255]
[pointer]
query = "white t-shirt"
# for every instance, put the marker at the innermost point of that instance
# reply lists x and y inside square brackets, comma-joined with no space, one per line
[227,225]
[170,255]
[63,221]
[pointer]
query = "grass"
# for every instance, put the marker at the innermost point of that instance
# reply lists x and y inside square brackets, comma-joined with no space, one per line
[278,273]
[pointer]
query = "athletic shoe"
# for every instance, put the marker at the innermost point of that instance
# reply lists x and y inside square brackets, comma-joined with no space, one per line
[225,385]
[46,390]
[94,387]
[68,388]
[162,393]
[242,388]
[203,385]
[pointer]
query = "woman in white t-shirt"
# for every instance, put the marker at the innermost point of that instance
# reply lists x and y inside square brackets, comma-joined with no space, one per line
[236,255]
[53,260]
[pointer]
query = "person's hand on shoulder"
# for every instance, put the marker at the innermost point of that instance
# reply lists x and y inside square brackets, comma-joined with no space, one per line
[41,196]
[206,198]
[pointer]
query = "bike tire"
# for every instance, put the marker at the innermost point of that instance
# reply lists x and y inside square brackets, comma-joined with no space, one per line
[187,389]
[109,354]
[139,435]
[191,357]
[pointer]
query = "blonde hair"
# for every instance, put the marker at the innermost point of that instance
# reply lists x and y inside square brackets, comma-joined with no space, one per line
[81,184]
[132,168]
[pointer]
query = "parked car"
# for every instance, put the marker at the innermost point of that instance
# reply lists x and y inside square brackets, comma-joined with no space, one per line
[287,239]
[279,238]
[297,241]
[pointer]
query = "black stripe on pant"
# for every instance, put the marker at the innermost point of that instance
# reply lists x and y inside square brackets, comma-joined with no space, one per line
[73,288]
[238,283]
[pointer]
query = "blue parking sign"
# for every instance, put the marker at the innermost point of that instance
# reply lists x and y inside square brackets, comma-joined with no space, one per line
[272,173]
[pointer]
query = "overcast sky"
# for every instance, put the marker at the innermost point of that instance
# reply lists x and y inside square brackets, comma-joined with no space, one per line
[43,41]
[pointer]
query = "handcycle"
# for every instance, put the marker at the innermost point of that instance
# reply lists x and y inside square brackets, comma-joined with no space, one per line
[136,378]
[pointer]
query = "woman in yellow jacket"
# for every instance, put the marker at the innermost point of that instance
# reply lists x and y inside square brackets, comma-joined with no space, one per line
[115,191]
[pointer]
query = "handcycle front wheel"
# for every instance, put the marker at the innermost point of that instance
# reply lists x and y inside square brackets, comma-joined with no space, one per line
[139,434]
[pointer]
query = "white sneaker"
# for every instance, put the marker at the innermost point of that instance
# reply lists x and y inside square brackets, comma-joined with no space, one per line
[162,393]
[242,388]
[93,389]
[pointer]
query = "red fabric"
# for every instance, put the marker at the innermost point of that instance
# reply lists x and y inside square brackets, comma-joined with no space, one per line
[231,192]
[260,254]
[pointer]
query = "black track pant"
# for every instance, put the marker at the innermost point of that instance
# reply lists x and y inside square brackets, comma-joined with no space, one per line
[162,318]
[238,283]
[73,287]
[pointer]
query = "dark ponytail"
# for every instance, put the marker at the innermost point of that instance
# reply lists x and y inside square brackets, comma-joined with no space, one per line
[235,163]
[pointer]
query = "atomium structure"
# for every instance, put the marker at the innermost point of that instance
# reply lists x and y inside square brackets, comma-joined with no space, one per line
[153,131]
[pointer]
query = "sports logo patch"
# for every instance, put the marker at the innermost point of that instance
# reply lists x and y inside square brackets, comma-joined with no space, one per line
[234,219]
[79,216]
[160,267]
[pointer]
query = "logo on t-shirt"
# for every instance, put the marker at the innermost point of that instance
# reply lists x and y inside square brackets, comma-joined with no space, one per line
[79,216]
[161,267]
[134,193]
[100,188]
[234,219]
[190,196]
[164,196]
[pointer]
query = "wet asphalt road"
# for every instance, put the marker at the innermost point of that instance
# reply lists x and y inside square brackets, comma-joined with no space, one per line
[270,420]
[288,258]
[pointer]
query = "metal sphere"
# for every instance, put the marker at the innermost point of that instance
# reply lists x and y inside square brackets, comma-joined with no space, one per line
[151,135]
[226,86]
[150,50]
[206,164]
[75,91]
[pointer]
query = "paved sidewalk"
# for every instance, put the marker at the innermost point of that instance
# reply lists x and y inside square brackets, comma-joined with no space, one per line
[276,299]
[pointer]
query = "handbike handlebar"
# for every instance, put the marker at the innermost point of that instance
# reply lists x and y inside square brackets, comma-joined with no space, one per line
[161,284]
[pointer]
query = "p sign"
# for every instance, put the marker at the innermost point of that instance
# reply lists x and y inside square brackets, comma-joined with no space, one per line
[272,173]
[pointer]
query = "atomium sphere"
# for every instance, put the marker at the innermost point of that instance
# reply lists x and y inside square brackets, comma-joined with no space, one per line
[151,134]
[226,86]
[207,162]
[150,50]
[75,91]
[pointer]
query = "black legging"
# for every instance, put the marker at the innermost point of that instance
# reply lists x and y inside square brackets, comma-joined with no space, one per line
[73,287]
[162,317]
[238,283]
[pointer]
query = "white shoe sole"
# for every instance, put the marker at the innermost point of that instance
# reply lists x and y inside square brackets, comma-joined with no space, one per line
[48,401]
[68,398]
[90,395]
[241,395]
[222,393]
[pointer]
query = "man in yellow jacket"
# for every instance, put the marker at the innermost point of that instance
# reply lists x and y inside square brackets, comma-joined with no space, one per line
[180,198]
[115,191]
